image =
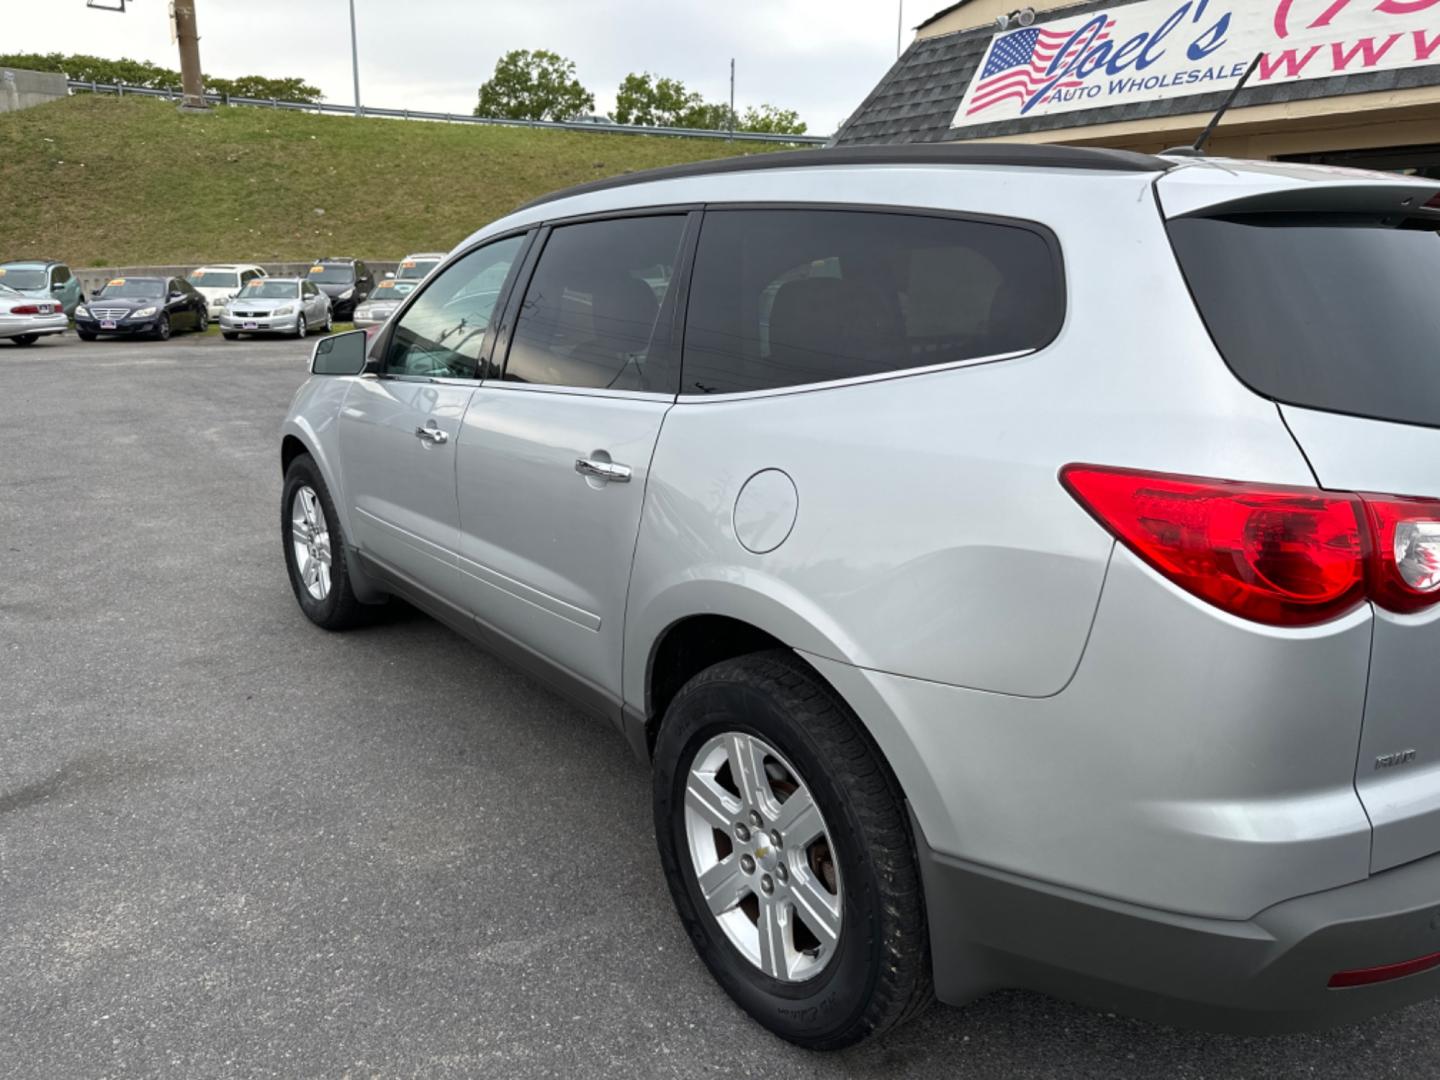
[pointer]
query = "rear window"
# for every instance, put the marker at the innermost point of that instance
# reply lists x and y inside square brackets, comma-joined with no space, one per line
[1336,313]
[790,297]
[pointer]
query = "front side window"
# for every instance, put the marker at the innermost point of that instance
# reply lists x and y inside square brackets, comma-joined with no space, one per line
[61,276]
[791,297]
[591,311]
[444,332]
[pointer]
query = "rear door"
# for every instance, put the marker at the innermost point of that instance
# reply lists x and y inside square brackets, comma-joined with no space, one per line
[1330,311]
[400,427]
[554,455]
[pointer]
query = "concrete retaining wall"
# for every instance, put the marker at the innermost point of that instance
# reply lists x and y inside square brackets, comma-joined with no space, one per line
[92,279]
[22,89]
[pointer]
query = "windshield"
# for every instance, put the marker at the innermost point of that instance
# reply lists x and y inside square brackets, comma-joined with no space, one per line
[392,292]
[416,269]
[332,275]
[262,289]
[1335,312]
[214,279]
[24,277]
[133,288]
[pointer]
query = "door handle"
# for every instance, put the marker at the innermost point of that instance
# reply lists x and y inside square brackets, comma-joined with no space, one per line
[432,435]
[611,471]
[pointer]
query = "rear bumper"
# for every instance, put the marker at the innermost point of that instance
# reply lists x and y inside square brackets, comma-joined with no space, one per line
[38,325]
[990,930]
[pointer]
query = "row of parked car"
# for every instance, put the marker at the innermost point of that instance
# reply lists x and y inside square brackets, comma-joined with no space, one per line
[41,297]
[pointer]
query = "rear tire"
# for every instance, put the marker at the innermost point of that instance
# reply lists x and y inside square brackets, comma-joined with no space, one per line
[876,973]
[334,605]
[26,339]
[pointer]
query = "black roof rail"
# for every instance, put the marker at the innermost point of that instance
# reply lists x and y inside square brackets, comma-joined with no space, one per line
[1028,155]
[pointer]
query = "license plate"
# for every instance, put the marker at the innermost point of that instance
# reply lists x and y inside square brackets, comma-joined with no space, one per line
[46,309]
[107,324]
[250,326]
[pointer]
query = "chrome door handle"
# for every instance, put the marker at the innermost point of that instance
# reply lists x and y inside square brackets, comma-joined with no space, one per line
[612,471]
[430,434]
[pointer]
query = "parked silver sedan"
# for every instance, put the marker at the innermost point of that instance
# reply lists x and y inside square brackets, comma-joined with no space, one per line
[383,302]
[276,305]
[25,320]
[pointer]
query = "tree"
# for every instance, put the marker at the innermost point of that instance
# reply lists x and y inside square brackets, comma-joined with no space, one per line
[774,120]
[539,85]
[654,102]
[149,76]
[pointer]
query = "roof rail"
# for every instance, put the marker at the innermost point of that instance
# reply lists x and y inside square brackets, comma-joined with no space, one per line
[1029,155]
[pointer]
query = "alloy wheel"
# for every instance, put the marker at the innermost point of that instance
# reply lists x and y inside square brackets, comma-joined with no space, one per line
[763,856]
[310,538]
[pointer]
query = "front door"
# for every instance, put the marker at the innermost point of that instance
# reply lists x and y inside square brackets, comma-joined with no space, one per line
[400,428]
[554,455]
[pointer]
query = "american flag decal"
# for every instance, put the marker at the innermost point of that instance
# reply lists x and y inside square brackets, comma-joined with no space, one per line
[1018,62]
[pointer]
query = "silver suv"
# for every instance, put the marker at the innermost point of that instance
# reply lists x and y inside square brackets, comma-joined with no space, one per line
[1019,564]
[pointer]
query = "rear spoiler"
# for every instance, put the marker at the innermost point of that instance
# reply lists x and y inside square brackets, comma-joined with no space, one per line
[1215,187]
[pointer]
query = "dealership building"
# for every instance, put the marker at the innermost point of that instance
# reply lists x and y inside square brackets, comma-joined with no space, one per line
[1339,82]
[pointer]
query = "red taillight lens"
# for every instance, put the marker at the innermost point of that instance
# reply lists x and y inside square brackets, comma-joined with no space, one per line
[1278,555]
[25,309]
[1287,556]
[1405,574]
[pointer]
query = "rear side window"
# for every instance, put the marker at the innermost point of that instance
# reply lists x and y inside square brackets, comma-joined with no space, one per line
[591,315]
[1336,313]
[789,297]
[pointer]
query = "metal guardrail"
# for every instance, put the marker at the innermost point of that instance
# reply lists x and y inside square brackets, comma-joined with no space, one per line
[455,118]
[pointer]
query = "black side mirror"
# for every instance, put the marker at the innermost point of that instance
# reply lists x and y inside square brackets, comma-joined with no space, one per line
[342,354]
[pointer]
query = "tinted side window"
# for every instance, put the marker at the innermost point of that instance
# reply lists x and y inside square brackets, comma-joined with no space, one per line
[591,315]
[61,276]
[788,297]
[443,333]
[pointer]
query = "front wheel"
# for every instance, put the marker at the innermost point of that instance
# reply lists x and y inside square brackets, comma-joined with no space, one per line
[162,329]
[329,321]
[203,326]
[85,335]
[301,330]
[787,848]
[315,549]
[228,336]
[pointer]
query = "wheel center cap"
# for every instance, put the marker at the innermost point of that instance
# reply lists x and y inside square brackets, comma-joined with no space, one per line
[766,854]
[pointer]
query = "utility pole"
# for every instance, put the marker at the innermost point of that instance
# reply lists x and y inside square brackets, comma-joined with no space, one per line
[355,58]
[899,27]
[732,99]
[191,80]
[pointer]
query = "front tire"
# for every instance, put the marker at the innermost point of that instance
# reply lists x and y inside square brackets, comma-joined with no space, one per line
[787,847]
[228,336]
[315,549]
[203,325]
[301,330]
[85,335]
[162,328]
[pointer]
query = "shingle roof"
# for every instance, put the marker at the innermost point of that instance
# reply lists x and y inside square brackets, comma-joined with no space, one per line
[917,98]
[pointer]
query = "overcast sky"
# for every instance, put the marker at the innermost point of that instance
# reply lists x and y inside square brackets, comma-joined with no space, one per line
[820,57]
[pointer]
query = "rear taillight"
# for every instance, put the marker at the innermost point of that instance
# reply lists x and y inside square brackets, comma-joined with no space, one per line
[1286,556]
[25,309]
[1405,573]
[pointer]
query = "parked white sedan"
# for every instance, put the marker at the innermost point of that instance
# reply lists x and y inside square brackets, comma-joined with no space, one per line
[25,321]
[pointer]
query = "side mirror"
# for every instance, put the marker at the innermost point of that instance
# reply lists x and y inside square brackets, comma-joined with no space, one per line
[342,354]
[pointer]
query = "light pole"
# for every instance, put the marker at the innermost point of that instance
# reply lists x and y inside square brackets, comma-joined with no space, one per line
[192,82]
[899,26]
[355,58]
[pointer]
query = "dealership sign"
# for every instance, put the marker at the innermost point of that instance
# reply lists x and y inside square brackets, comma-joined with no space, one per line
[1171,48]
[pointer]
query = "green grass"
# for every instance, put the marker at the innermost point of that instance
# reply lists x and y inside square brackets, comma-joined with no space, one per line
[102,181]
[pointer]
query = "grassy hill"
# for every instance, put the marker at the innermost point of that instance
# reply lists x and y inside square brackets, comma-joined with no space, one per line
[102,181]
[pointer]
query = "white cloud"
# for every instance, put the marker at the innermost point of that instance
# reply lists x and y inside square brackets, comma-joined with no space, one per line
[819,58]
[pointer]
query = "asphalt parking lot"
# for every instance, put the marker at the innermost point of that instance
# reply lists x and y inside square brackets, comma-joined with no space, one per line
[234,845]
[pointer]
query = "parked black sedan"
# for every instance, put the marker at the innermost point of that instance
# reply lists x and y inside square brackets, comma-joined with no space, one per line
[153,306]
[348,283]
